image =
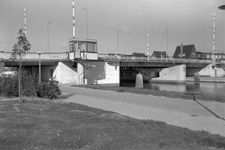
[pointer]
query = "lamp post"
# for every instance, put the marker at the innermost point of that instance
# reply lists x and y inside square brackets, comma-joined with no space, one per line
[203,49]
[85,8]
[48,35]
[162,45]
[222,7]
[212,36]
[39,59]
[20,75]
[118,41]
[166,36]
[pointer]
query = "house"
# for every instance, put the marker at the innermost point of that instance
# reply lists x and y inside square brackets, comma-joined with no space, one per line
[159,54]
[139,54]
[185,51]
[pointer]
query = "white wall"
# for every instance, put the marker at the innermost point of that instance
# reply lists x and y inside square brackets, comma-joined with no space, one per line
[216,72]
[112,74]
[88,56]
[205,71]
[175,74]
[210,72]
[64,72]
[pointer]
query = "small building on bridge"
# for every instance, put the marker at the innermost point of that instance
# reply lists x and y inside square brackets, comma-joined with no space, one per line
[83,49]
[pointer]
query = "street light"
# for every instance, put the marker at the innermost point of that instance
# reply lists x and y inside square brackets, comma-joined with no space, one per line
[39,59]
[222,7]
[166,35]
[203,48]
[212,36]
[162,45]
[20,76]
[48,35]
[85,8]
[118,41]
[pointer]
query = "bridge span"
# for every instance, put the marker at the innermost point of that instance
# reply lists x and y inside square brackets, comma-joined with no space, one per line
[104,69]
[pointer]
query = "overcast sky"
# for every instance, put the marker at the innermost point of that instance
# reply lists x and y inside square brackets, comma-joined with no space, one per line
[188,23]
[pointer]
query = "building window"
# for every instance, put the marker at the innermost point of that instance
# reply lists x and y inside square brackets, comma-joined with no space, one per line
[91,47]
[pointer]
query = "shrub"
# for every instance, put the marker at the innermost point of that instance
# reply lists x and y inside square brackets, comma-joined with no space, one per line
[28,84]
[48,89]
[9,85]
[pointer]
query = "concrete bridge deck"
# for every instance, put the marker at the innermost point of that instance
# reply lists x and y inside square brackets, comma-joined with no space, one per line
[107,68]
[126,61]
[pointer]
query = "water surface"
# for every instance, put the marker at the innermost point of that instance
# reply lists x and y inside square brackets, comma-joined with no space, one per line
[204,87]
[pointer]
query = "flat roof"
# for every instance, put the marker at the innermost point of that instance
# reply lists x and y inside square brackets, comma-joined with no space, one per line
[83,40]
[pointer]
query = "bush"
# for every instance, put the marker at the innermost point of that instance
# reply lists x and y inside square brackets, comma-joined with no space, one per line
[9,85]
[30,86]
[48,89]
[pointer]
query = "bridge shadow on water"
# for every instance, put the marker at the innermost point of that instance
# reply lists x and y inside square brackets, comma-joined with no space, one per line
[204,87]
[146,85]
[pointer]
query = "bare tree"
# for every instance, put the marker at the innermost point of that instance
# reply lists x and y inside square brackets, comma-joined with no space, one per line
[20,48]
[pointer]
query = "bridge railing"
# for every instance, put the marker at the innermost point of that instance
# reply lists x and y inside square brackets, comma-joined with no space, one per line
[149,59]
[35,56]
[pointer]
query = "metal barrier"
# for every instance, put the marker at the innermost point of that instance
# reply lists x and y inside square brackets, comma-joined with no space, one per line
[149,59]
[105,57]
[35,56]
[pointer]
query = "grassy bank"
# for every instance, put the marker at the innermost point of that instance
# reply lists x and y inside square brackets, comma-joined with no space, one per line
[55,125]
[155,92]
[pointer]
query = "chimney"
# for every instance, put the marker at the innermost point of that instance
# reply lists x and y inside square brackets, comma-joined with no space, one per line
[181,49]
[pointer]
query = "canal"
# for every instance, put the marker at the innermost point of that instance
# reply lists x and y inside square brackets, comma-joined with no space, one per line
[204,87]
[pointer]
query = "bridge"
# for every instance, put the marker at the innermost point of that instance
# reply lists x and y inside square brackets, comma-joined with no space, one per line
[104,69]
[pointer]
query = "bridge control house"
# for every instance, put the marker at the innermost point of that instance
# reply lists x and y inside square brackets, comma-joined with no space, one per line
[90,69]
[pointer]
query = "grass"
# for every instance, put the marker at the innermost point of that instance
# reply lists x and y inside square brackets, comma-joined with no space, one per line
[155,92]
[40,124]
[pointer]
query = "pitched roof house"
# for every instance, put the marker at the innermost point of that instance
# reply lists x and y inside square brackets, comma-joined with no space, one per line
[158,54]
[185,51]
[139,54]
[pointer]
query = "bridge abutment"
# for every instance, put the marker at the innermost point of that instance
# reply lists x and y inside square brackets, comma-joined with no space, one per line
[175,74]
[92,72]
[209,71]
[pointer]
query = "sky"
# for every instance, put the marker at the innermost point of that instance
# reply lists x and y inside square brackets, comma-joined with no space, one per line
[188,22]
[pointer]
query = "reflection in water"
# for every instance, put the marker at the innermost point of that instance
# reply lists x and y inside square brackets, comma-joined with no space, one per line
[209,88]
[204,87]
